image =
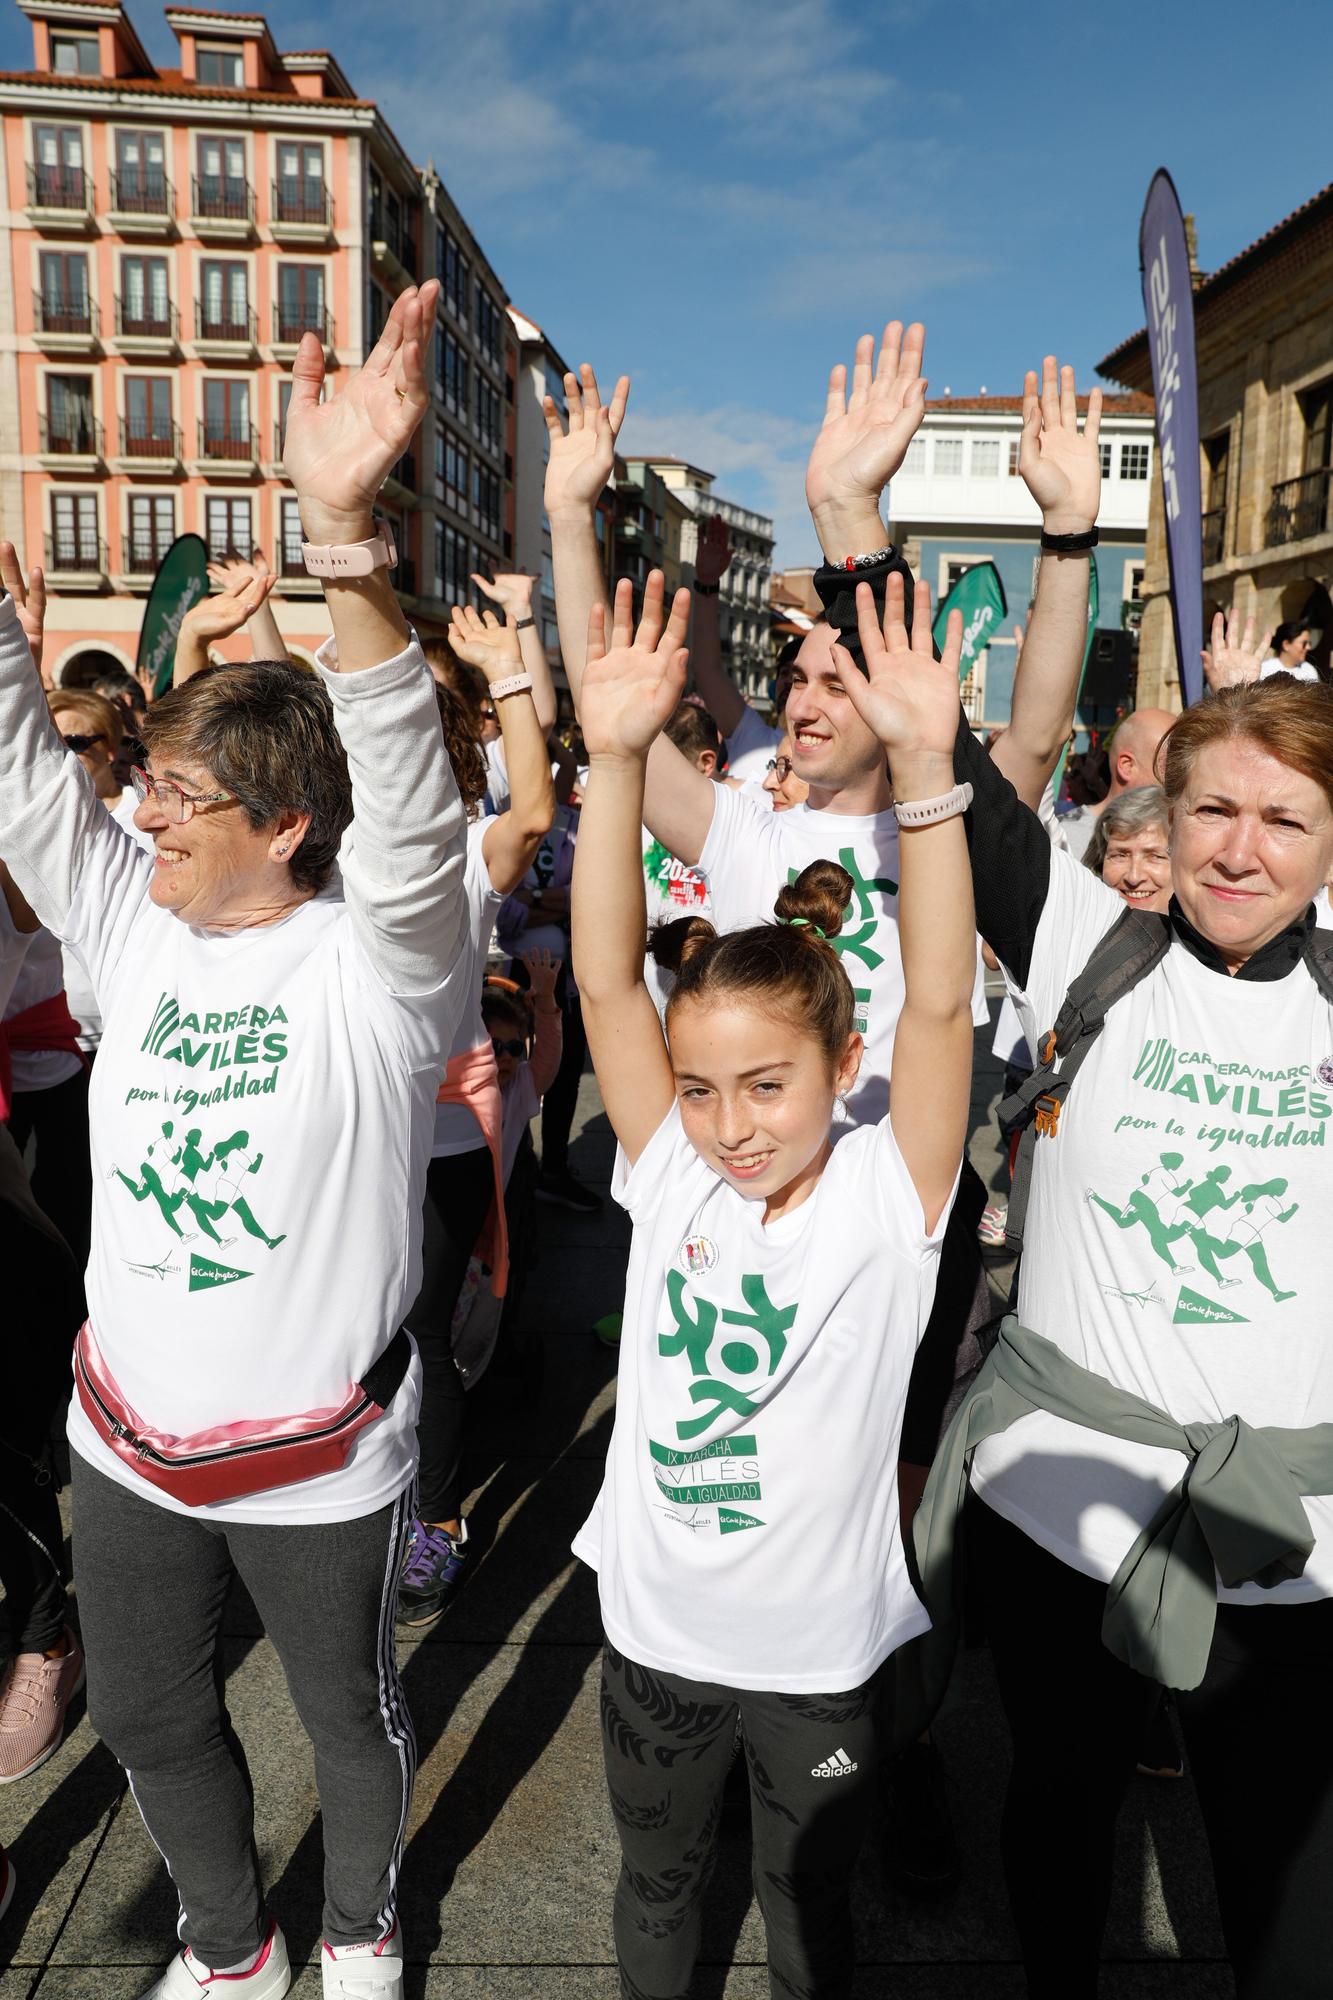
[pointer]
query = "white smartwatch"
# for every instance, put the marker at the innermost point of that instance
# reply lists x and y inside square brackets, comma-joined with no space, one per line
[350,558]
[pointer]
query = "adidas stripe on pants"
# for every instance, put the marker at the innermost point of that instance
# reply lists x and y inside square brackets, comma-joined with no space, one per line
[152,1586]
[668,1746]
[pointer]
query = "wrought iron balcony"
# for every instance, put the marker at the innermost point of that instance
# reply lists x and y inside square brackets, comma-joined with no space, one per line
[225,321]
[71,436]
[64,312]
[292,319]
[142,191]
[80,555]
[302,201]
[1299,508]
[1214,534]
[147,319]
[142,550]
[144,437]
[58,187]
[222,198]
[230,440]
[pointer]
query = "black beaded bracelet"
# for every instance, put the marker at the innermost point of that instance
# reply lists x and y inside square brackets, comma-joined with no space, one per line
[1069,545]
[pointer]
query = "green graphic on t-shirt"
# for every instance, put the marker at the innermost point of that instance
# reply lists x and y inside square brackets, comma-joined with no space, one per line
[731,1521]
[1176,1210]
[170,1176]
[1191,1310]
[693,1338]
[204,1275]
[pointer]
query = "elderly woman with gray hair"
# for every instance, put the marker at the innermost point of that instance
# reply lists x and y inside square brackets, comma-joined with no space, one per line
[1130,850]
[278,993]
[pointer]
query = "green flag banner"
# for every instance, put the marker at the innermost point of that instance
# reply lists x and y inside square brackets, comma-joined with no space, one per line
[979,595]
[181,580]
[1094,606]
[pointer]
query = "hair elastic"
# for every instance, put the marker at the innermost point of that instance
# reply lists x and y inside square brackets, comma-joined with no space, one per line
[804,924]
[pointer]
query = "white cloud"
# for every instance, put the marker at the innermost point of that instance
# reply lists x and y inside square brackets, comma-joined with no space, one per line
[758,459]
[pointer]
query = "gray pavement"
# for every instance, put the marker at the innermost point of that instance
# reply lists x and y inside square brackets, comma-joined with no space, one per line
[512,1855]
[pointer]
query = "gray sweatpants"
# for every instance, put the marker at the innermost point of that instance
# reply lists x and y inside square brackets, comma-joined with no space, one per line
[151,1590]
[668,1745]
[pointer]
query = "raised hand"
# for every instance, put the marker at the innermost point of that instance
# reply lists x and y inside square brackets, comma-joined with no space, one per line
[543,971]
[630,689]
[1234,658]
[234,572]
[713,557]
[864,438]
[29,600]
[1060,464]
[907,696]
[337,454]
[582,457]
[482,641]
[510,589]
[218,616]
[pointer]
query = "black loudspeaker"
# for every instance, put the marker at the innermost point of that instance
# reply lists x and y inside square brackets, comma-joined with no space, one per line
[1107,682]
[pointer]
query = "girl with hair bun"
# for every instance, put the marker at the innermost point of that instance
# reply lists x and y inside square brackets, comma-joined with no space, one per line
[747,1536]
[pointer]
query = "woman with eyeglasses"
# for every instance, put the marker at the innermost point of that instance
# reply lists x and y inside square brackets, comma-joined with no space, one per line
[278,998]
[780,781]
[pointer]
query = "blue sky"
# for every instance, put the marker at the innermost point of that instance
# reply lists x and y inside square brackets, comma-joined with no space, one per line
[718,195]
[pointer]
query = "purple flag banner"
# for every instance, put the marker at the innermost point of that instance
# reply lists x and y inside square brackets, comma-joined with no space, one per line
[1168,300]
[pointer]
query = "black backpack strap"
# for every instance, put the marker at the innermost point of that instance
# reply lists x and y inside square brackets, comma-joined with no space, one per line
[1319,961]
[1133,946]
[384,1377]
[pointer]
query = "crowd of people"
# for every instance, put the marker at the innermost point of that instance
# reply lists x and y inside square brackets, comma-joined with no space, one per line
[291,963]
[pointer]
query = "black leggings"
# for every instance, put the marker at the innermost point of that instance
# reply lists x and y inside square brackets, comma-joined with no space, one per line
[62,1172]
[668,1745]
[43,1317]
[1259,1735]
[459,1189]
[561,1100]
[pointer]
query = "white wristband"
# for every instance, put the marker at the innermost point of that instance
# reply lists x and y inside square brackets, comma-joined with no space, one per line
[516,684]
[928,812]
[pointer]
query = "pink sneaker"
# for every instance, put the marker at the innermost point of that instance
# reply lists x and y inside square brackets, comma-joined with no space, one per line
[34,1696]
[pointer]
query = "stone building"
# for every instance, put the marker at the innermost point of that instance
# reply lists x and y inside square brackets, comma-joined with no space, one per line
[1264,339]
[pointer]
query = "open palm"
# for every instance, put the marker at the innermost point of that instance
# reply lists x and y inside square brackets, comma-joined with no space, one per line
[907,696]
[482,641]
[582,456]
[631,688]
[864,436]
[1234,658]
[338,453]
[1061,465]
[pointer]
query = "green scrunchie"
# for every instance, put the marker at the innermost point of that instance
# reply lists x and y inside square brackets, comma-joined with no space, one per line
[804,924]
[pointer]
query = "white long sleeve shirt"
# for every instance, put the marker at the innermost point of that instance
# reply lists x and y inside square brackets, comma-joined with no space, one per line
[262,1105]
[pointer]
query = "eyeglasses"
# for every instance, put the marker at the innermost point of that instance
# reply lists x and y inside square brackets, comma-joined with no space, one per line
[781,767]
[78,744]
[171,799]
[517,1048]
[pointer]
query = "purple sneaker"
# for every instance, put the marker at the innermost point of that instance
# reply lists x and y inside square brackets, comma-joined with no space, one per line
[433,1570]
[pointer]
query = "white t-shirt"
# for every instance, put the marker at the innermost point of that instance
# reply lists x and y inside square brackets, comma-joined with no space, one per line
[671,887]
[751,852]
[1176,1238]
[456,1127]
[747,1528]
[263,1101]
[497,788]
[751,743]
[79,993]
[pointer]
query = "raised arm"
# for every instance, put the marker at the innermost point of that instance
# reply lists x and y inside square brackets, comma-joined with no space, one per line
[1234,656]
[512,590]
[910,700]
[863,440]
[51,820]
[628,693]
[717,690]
[266,641]
[241,598]
[403,856]
[1062,470]
[512,838]
[548,1034]
[678,805]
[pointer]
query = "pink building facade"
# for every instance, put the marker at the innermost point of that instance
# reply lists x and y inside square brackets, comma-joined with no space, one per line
[171,235]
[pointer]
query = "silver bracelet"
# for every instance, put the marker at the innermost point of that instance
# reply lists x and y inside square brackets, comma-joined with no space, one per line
[516,684]
[928,812]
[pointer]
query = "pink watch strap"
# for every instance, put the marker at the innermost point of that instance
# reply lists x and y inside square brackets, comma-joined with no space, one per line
[350,558]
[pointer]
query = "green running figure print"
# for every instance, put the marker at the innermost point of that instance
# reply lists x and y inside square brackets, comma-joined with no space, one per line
[1170,1207]
[172,1180]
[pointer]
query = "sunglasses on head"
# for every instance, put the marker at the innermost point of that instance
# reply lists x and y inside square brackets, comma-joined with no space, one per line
[78,744]
[517,1048]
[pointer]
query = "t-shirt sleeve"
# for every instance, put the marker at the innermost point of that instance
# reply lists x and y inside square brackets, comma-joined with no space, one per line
[742,859]
[751,744]
[640,1188]
[402,857]
[888,1190]
[1078,912]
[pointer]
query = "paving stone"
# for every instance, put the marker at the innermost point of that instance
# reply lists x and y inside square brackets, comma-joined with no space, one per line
[51,1824]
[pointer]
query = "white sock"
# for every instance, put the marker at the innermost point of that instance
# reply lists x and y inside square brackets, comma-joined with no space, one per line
[241,1965]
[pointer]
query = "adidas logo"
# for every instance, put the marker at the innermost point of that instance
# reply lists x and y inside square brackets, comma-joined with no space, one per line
[839,1765]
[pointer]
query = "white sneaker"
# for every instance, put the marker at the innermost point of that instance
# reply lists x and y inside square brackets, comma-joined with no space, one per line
[364,1971]
[268,1978]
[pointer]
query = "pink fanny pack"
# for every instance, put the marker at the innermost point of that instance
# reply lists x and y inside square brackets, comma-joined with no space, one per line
[231,1460]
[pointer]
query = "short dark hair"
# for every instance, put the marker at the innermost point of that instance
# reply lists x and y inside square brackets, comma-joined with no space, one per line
[693,730]
[265,731]
[1291,629]
[117,685]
